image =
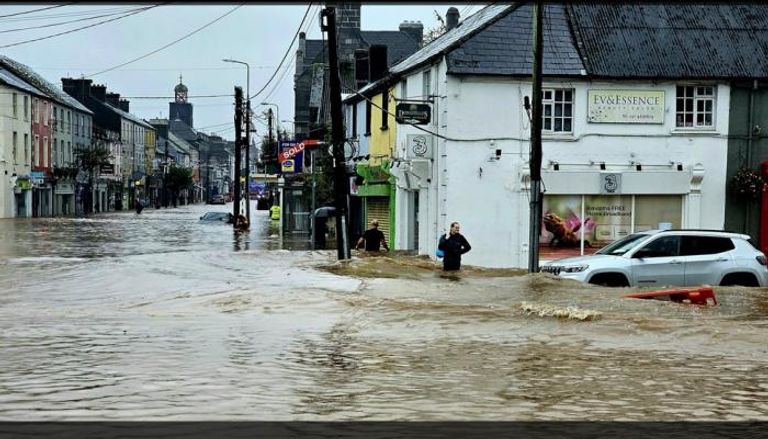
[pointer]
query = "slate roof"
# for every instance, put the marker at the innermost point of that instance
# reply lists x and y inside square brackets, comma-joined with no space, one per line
[47,88]
[400,45]
[14,81]
[129,116]
[181,145]
[449,40]
[505,47]
[674,40]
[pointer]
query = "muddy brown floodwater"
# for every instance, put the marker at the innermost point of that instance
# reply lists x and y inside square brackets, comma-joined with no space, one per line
[160,317]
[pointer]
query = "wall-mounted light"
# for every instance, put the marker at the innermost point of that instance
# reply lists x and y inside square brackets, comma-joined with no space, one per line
[555,166]
[602,166]
[639,167]
[679,166]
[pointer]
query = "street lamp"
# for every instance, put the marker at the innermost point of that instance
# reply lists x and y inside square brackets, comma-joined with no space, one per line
[247,135]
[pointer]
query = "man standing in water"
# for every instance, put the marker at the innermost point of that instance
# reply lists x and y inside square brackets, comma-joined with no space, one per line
[373,238]
[453,244]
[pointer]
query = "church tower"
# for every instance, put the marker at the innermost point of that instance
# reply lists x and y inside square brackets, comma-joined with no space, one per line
[180,108]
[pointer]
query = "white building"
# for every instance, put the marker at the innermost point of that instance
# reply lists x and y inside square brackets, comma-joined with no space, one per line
[15,145]
[630,143]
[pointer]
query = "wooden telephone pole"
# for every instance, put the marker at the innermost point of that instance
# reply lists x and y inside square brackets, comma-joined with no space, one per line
[535,160]
[340,182]
[238,146]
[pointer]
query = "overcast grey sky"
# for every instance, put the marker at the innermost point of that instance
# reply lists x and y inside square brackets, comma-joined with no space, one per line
[258,34]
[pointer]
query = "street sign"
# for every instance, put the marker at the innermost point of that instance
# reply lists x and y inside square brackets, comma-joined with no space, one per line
[288,166]
[107,169]
[419,114]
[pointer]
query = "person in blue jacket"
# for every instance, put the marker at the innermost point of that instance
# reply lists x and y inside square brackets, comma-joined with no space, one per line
[453,244]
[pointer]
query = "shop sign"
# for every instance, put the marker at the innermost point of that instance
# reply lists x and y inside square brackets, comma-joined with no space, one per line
[107,168]
[418,146]
[419,114]
[610,183]
[625,106]
[24,184]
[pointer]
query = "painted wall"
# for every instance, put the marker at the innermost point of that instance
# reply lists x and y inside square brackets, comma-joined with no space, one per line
[10,122]
[382,140]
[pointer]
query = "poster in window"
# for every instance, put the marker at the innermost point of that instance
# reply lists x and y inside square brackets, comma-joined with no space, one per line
[561,222]
[611,217]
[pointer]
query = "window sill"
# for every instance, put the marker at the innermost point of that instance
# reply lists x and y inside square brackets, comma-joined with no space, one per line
[707,130]
[558,136]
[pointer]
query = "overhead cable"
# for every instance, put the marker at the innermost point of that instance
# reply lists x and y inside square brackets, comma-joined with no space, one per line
[18,43]
[298,30]
[36,10]
[171,43]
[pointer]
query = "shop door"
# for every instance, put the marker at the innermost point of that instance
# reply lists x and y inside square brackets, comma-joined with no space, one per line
[377,208]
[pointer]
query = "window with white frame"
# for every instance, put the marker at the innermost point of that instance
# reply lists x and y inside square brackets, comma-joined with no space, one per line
[15,105]
[404,89]
[426,84]
[695,106]
[557,110]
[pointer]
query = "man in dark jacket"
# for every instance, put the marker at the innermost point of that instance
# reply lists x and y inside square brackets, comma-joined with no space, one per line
[453,244]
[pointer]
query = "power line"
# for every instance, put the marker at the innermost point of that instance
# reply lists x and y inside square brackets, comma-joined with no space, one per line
[293,58]
[171,43]
[61,23]
[286,52]
[174,97]
[67,14]
[79,29]
[36,10]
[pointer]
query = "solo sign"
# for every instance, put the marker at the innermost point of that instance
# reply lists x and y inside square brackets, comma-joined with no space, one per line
[419,114]
[289,150]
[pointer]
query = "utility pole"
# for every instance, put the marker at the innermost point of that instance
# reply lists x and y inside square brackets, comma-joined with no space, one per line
[340,182]
[269,125]
[238,145]
[248,161]
[535,161]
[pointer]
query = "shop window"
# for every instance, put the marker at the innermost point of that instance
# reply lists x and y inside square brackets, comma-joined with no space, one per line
[582,224]
[695,106]
[557,110]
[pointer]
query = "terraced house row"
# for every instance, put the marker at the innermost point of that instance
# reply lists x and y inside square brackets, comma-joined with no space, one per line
[48,135]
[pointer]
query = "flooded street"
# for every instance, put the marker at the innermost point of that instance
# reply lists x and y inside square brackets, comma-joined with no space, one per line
[160,317]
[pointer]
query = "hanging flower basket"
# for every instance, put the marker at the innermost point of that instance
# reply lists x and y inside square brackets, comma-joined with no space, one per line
[747,183]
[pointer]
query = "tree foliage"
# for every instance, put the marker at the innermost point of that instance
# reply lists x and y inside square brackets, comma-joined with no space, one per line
[433,33]
[90,159]
[268,156]
[178,178]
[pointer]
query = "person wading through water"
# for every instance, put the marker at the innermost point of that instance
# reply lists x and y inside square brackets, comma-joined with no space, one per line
[373,238]
[453,244]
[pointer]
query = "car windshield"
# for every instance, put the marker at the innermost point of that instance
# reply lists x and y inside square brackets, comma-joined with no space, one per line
[622,246]
[214,216]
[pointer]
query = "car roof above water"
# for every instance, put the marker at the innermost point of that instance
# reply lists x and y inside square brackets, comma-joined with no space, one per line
[699,232]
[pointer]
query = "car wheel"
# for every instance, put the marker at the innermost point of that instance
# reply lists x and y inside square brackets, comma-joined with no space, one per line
[610,280]
[739,279]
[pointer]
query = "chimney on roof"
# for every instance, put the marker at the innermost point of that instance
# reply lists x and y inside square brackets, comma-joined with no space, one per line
[124,105]
[301,52]
[99,92]
[414,29]
[451,18]
[113,99]
[77,88]
[361,67]
[377,57]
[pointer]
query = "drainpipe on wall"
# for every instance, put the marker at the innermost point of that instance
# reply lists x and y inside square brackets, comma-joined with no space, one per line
[750,122]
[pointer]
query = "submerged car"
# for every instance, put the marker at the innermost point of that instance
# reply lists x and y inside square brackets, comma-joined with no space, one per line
[218,199]
[222,217]
[669,258]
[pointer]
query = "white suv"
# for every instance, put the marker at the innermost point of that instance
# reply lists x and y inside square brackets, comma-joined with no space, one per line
[669,257]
